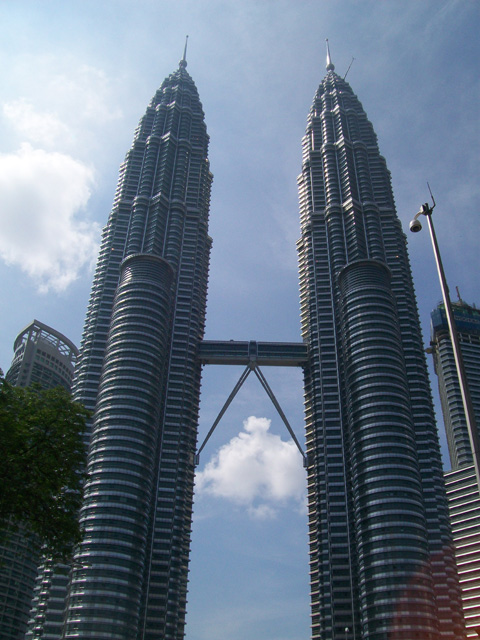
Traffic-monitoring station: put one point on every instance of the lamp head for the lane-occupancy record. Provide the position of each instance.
(415, 225)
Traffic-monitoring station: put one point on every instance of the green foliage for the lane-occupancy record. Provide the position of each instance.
(42, 460)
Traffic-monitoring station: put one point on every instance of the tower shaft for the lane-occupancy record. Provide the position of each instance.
(139, 374)
(380, 548)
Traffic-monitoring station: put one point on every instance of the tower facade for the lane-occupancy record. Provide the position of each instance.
(381, 560)
(138, 372)
(46, 357)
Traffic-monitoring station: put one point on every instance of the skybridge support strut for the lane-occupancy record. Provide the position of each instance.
(234, 392)
(252, 366)
(271, 395)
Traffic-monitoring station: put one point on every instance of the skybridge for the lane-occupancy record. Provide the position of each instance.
(276, 354)
(252, 354)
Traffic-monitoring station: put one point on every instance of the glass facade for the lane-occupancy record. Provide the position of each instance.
(380, 544)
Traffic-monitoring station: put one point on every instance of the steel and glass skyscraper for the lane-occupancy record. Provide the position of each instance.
(380, 547)
(139, 373)
(467, 320)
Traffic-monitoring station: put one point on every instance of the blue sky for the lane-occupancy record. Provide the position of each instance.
(76, 76)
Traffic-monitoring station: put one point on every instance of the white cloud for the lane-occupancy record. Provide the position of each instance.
(256, 469)
(46, 184)
(41, 194)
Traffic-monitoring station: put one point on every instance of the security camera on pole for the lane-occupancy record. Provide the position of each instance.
(416, 226)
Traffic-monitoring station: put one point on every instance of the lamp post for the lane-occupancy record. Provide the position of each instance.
(473, 435)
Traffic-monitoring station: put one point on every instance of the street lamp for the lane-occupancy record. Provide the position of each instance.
(473, 435)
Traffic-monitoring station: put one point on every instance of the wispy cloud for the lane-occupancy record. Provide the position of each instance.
(85, 92)
(41, 194)
(78, 94)
(256, 469)
(39, 127)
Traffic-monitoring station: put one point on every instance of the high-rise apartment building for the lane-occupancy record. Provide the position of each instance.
(380, 545)
(462, 489)
(46, 357)
(138, 371)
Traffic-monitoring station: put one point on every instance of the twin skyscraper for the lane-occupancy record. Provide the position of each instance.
(381, 557)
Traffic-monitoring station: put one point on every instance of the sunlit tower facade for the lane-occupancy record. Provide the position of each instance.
(381, 556)
(138, 372)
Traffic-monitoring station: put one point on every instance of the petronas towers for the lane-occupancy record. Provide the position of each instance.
(382, 566)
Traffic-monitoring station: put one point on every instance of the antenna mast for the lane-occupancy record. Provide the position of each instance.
(349, 67)
(431, 195)
(330, 65)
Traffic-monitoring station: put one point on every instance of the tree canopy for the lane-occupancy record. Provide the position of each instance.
(42, 460)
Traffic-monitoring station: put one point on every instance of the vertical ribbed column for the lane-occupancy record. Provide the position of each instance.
(107, 578)
(395, 586)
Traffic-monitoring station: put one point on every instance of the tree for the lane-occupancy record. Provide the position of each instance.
(42, 461)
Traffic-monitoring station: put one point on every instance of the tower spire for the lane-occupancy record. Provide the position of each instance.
(183, 61)
(330, 65)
